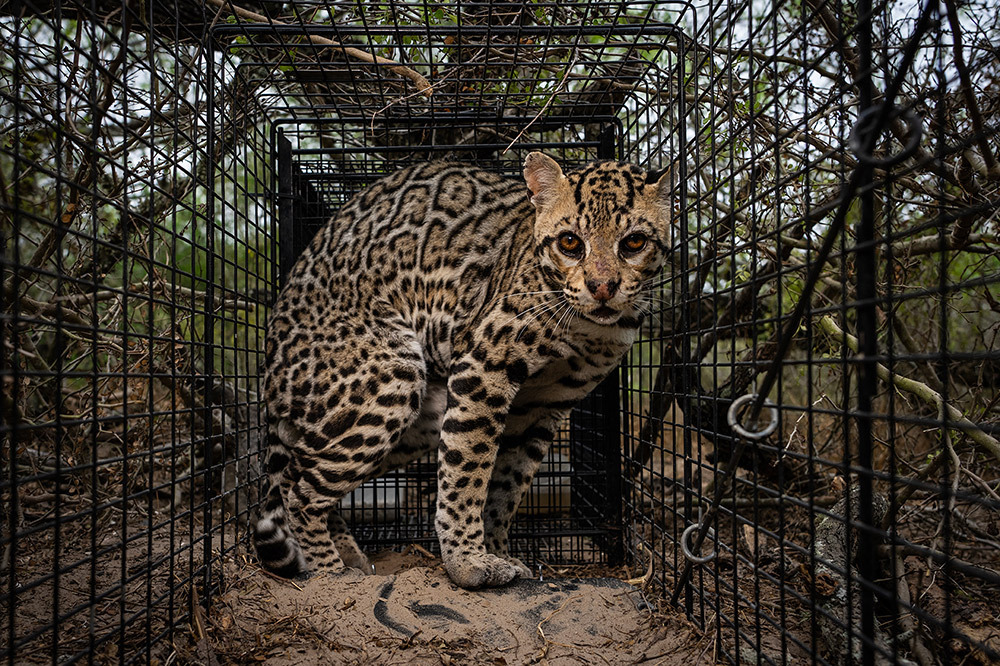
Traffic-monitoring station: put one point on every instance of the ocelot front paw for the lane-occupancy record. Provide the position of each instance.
(480, 570)
(524, 571)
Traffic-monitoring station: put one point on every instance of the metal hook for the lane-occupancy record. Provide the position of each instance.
(686, 549)
(733, 416)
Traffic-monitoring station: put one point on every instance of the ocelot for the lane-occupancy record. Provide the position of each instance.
(448, 308)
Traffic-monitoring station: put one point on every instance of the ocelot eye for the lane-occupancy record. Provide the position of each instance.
(633, 243)
(570, 244)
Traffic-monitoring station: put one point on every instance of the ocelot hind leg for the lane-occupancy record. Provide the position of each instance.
(420, 438)
(347, 441)
(347, 547)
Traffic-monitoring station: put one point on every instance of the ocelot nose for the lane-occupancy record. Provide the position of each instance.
(602, 290)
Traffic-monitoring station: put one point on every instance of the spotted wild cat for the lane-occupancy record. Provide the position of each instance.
(449, 308)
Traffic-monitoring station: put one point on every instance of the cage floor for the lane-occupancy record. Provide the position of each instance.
(410, 613)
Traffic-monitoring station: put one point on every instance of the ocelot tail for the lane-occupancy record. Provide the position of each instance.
(448, 308)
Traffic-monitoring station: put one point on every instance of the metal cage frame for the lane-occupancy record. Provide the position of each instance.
(835, 277)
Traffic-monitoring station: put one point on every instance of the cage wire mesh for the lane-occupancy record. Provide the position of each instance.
(133, 307)
(836, 195)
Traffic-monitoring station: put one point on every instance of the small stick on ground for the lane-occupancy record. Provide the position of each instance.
(279, 578)
(548, 641)
(643, 581)
(418, 548)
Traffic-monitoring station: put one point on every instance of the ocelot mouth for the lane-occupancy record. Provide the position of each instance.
(604, 314)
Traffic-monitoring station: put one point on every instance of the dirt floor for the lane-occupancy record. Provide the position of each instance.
(409, 612)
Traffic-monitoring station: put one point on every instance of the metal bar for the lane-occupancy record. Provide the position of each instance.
(465, 30)
(611, 400)
(286, 208)
(867, 333)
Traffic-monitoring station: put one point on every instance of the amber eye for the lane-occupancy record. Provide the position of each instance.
(570, 244)
(633, 243)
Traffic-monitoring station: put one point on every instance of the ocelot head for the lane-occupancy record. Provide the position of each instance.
(601, 233)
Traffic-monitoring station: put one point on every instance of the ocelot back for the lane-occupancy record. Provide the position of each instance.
(449, 308)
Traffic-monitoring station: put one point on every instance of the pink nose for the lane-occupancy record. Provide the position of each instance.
(602, 290)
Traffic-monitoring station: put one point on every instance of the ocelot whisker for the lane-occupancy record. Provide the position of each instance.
(571, 311)
(538, 313)
(524, 293)
(524, 312)
(666, 303)
(535, 316)
(656, 282)
(557, 312)
(654, 294)
(654, 286)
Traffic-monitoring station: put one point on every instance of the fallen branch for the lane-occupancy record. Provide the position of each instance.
(33, 307)
(932, 555)
(906, 620)
(421, 83)
(922, 391)
(835, 581)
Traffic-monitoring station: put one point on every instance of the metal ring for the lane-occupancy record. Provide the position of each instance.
(734, 414)
(863, 127)
(686, 549)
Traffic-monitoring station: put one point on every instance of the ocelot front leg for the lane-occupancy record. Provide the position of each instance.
(519, 456)
(479, 396)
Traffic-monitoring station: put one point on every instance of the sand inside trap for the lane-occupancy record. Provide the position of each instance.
(411, 613)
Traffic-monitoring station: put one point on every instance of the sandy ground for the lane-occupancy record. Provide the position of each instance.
(410, 613)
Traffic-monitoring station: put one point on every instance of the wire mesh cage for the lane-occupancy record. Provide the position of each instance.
(130, 335)
(163, 164)
(814, 399)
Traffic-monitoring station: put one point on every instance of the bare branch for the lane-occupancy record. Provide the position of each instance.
(921, 390)
(978, 126)
(421, 83)
(31, 306)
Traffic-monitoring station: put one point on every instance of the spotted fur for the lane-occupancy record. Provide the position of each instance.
(448, 308)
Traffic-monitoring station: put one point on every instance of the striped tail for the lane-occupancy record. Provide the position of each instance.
(277, 549)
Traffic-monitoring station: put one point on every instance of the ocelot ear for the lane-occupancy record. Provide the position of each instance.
(664, 194)
(542, 174)
(665, 191)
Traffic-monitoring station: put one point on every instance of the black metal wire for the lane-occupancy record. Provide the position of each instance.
(130, 334)
(865, 137)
